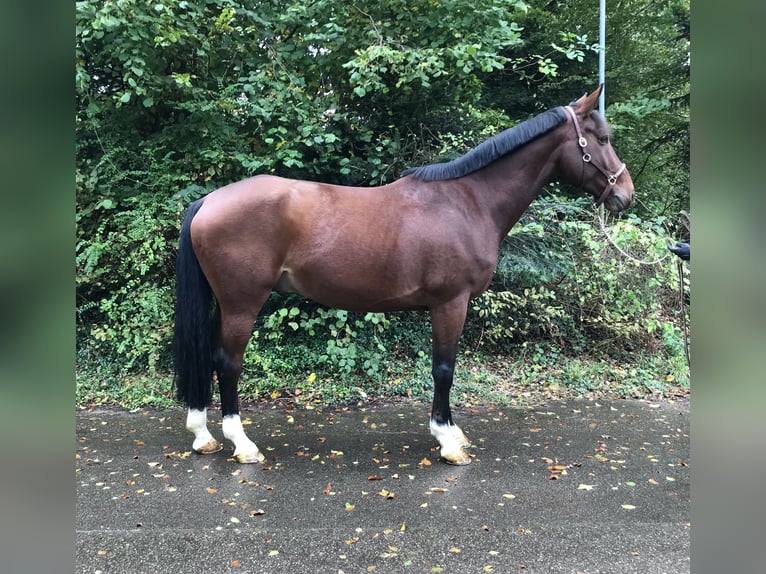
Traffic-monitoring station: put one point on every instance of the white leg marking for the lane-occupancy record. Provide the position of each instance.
(196, 422)
(452, 441)
(245, 450)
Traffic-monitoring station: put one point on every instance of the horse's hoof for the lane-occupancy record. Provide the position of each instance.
(210, 447)
(460, 458)
(250, 457)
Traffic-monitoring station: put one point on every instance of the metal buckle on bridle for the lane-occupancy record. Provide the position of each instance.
(611, 178)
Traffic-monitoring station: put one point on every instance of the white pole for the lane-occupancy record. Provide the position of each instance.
(601, 72)
(602, 54)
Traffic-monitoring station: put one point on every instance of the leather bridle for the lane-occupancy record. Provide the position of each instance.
(611, 178)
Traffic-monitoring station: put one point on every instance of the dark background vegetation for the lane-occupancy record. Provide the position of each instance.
(176, 98)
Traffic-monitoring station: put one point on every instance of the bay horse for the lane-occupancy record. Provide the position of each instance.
(427, 241)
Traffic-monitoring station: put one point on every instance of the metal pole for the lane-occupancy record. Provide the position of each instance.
(602, 54)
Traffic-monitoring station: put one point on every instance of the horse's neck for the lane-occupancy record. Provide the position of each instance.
(508, 186)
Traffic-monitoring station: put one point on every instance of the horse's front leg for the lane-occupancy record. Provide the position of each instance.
(447, 324)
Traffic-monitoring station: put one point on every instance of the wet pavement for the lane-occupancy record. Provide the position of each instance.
(592, 487)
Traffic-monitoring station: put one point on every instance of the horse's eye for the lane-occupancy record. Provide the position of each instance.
(603, 140)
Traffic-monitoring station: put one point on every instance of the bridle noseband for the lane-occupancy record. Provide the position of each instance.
(611, 178)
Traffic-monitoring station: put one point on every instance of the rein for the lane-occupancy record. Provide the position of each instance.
(611, 178)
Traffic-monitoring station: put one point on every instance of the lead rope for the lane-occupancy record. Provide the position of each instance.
(622, 251)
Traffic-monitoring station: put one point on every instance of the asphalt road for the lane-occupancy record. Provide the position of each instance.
(566, 488)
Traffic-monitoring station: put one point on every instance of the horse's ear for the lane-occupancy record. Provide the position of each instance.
(587, 103)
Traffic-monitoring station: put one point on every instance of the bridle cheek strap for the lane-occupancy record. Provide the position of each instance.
(611, 178)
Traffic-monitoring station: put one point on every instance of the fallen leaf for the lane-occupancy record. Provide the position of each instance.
(628, 507)
(425, 462)
(511, 496)
(235, 564)
(273, 552)
(374, 477)
(257, 512)
(586, 487)
(234, 519)
(455, 550)
(386, 494)
(327, 488)
(350, 506)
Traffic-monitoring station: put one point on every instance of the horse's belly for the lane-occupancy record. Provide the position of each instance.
(353, 290)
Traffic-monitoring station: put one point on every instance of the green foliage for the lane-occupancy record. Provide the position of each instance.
(583, 284)
(175, 98)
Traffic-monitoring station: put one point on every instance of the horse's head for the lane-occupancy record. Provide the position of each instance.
(588, 159)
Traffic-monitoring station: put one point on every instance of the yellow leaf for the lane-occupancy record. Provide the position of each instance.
(455, 550)
(234, 519)
(273, 552)
(628, 507)
(312, 378)
(511, 496)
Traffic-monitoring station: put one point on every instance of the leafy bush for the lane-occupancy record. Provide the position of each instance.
(174, 99)
(563, 275)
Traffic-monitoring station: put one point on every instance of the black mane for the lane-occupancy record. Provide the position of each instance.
(491, 150)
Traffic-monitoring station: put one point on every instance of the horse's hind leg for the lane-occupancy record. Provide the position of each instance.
(196, 422)
(196, 418)
(236, 330)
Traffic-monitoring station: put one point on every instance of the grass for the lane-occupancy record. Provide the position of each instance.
(528, 375)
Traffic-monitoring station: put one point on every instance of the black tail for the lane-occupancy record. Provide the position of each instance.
(192, 338)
